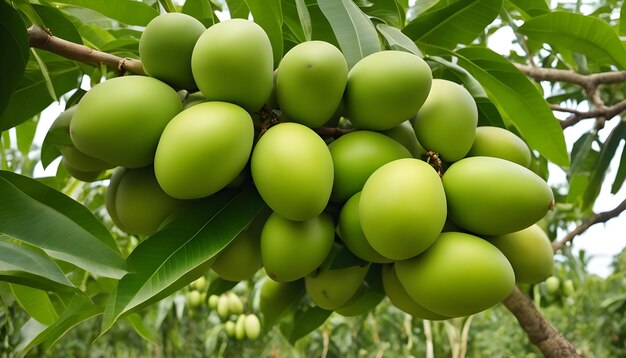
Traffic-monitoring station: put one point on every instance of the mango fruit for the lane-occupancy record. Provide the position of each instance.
(404, 134)
(500, 143)
(276, 297)
(332, 288)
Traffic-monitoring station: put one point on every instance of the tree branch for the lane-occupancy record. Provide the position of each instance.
(539, 330)
(577, 116)
(42, 39)
(595, 219)
(569, 76)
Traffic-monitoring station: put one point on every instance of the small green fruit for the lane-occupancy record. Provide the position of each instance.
(235, 306)
(333, 288)
(240, 327)
(568, 288)
(79, 174)
(223, 307)
(404, 134)
(213, 300)
(500, 143)
(552, 284)
(194, 298)
(198, 284)
(252, 326)
(229, 327)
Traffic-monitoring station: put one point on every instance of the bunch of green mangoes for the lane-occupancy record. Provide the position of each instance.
(406, 182)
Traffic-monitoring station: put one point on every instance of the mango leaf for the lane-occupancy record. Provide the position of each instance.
(530, 7)
(355, 32)
(583, 160)
(201, 10)
(238, 9)
(621, 174)
(622, 20)
(517, 99)
(458, 23)
(296, 21)
(618, 134)
(145, 332)
(25, 135)
(397, 40)
(320, 27)
(305, 320)
(188, 242)
(65, 229)
(14, 54)
(58, 23)
(35, 302)
(22, 265)
(219, 286)
(268, 14)
(392, 12)
(127, 11)
(345, 258)
(582, 34)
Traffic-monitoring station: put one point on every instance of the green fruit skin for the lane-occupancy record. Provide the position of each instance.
(252, 327)
(356, 156)
(213, 300)
(240, 327)
(293, 171)
(203, 149)
(141, 205)
(552, 284)
(351, 233)
(86, 176)
(165, 48)
(223, 307)
(193, 99)
(332, 288)
(229, 327)
(235, 306)
(233, 62)
(500, 143)
(493, 196)
(568, 288)
(276, 297)
(386, 88)
(119, 121)
(401, 299)
(459, 275)
(194, 298)
(362, 302)
(402, 208)
(404, 134)
(310, 82)
(447, 121)
(530, 253)
(293, 249)
(111, 197)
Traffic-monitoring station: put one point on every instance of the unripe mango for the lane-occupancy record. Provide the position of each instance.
(310, 82)
(252, 326)
(119, 121)
(386, 88)
(293, 171)
(351, 233)
(235, 306)
(401, 299)
(203, 149)
(404, 134)
(276, 297)
(165, 48)
(223, 306)
(233, 62)
(356, 156)
(530, 253)
(500, 143)
(447, 121)
(293, 249)
(333, 288)
(459, 275)
(240, 327)
(493, 196)
(363, 301)
(402, 208)
(86, 176)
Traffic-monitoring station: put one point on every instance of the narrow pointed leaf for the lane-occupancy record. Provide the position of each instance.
(398, 40)
(65, 229)
(14, 53)
(145, 332)
(201, 10)
(238, 9)
(268, 14)
(621, 174)
(531, 7)
(219, 286)
(130, 12)
(586, 35)
(35, 302)
(307, 321)
(22, 265)
(392, 12)
(185, 244)
(355, 32)
(458, 23)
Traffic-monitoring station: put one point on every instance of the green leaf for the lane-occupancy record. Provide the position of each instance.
(531, 7)
(586, 35)
(517, 99)
(458, 23)
(238, 9)
(35, 302)
(219, 286)
(268, 14)
(187, 243)
(296, 20)
(14, 54)
(22, 265)
(622, 20)
(145, 332)
(355, 32)
(389, 11)
(201, 10)
(398, 40)
(345, 258)
(596, 179)
(320, 27)
(58, 23)
(64, 229)
(306, 321)
(621, 174)
(583, 160)
(25, 135)
(46, 75)
(127, 11)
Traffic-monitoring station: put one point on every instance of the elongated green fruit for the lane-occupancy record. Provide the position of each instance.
(500, 143)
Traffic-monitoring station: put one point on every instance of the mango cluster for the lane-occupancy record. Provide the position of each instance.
(411, 184)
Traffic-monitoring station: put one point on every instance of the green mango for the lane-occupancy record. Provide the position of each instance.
(310, 82)
(459, 275)
(500, 143)
(86, 176)
(203, 149)
(293, 249)
(530, 253)
(233, 62)
(363, 301)
(404, 134)
(276, 297)
(447, 121)
(120, 121)
(401, 299)
(165, 48)
(386, 88)
(356, 156)
(493, 196)
(293, 171)
(402, 208)
(332, 288)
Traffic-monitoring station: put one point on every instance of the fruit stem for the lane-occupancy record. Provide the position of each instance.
(434, 160)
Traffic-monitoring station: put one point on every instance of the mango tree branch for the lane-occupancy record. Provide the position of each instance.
(42, 39)
(577, 116)
(539, 330)
(569, 76)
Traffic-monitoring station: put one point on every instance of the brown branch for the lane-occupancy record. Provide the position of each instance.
(569, 76)
(595, 219)
(577, 116)
(539, 330)
(42, 39)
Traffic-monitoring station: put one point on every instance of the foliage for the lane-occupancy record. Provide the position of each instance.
(93, 279)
